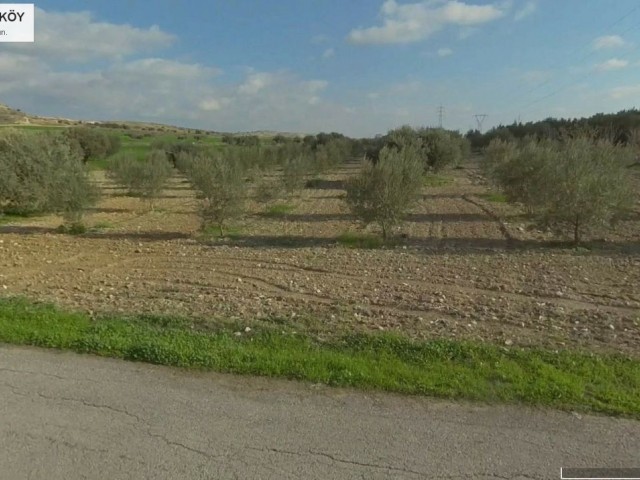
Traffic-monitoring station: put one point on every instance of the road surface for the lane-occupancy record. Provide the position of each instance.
(67, 416)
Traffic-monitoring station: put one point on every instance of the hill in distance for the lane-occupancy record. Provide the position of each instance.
(10, 116)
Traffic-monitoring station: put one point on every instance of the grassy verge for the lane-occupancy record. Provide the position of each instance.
(566, 380)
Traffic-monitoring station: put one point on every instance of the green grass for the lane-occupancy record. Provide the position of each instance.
(433, 180)
(212, 232)
(494, 197)
(360, 240)
(16, 216)
(442, 368)
(279, 210)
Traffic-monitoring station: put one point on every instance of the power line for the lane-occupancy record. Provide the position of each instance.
(570, 84)
(560, 62)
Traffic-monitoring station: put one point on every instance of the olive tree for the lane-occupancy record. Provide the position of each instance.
(222, 188)
(587, 186)
(383, 192)
(573, 183)
(42, 173)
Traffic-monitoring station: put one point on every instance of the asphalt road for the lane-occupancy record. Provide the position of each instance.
(66, 416)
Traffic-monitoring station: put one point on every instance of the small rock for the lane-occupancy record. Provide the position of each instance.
(611, 327)
(508, 342)
(237, 334)
(247, 329)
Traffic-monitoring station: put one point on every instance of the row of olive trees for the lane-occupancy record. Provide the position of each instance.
(144, 178)
(43, 173)
(437, 148)
(572, 183)
(92, 143)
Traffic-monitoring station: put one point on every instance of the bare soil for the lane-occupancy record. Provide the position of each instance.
(466, 268)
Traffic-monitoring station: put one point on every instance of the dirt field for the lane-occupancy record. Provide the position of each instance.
(470, 268)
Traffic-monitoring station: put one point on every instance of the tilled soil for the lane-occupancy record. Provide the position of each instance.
(465, 268)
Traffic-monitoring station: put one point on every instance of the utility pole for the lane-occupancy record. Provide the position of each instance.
(480, 117)
(440, 115)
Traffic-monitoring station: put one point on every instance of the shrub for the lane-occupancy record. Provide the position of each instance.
(384, 191)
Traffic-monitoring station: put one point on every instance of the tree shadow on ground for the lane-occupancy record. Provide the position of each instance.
(447, 217)
(412, 217)
(275, 241)
(107, 235)
(138, 236)
(309, 217)
(321, 184)
(423, 246)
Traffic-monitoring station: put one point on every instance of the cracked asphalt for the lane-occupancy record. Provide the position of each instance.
(67, 416)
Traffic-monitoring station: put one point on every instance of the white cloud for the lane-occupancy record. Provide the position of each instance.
(413, 22)
(444, 52)
(256, 82)
(316, 86)
(77, 37)
(612, 64)
(625, 92)
(608, 41)
(528, 9)
(328, 53)
(213, 104)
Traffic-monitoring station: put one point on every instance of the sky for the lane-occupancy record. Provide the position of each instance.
(358, 67)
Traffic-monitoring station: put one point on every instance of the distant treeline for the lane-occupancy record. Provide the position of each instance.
(621, 128)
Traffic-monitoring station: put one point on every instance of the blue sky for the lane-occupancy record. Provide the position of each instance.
(359, 67)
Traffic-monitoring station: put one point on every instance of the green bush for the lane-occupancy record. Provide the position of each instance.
(384, 191)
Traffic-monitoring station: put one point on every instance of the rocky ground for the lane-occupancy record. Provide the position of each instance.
(468, 268)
